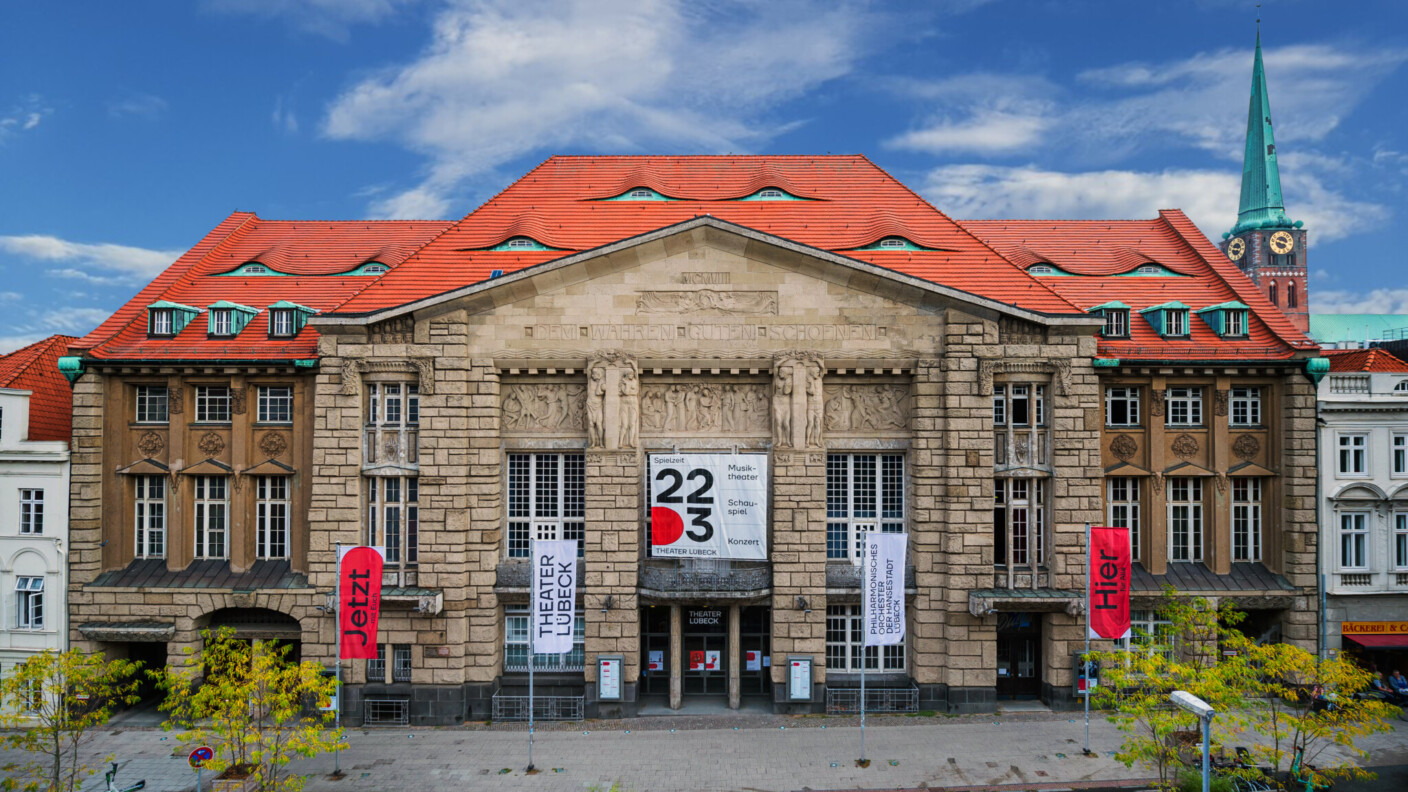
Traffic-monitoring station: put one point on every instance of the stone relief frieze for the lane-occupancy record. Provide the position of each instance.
(354, 368)
(237, 396)
(556, 407)
(1219, 402)
(867, 407)
(175, 401)
(733, 408)
(397, 330)
(1156, 402)
(707, 301)
(1059, 370)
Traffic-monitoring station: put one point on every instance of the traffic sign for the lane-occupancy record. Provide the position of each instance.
(200, 756)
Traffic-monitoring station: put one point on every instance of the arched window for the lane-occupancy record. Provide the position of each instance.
(1271, 293)
(643, 194)
(893, 242)
(1291, 299)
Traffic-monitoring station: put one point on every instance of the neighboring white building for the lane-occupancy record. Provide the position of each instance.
(35, 402)
(1364, 505)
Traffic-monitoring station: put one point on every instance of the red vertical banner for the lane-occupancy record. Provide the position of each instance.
(359, 602)
(1109, 583)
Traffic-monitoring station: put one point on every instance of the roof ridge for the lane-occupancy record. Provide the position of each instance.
(26, 356)
(450, 226)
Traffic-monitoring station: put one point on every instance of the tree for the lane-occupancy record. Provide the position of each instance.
(256, 709)
(55, 700)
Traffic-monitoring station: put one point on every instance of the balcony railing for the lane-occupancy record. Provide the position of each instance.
(391, 446)
(845, 575)
(722, 578)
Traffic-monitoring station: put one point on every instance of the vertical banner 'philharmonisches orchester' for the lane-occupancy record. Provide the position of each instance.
(709, 506)
(359, 601)
(1109, 583)
(554, 595)
(883, 577)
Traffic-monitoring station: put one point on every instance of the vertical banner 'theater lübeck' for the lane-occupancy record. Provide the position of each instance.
(1109, 583)
(554, 595)
(359, 601)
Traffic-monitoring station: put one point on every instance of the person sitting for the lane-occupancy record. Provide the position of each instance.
(1380, 687)
(1399, 683)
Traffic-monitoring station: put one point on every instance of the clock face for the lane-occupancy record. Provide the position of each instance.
(1282, 242)
(1236, 249)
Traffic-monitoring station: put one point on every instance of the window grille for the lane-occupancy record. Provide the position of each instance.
(152, 404)
(546, 500)
(386, 712)
(31, 511)
(864, 492)
(151, 517)
(271, 517)
(212, 404)
(1122, 406)
(401, 663)
(1246, 519)
(275, 404)
(376, 667)
(211, 512)
(1185, 519)
(845, 639)
(1122, 501)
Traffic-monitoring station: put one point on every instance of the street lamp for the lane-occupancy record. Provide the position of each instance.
(1187, 701)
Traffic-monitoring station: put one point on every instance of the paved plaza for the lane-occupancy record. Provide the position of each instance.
(762, 754)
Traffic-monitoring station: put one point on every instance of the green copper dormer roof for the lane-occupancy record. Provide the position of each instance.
(1113, 305)
(1262, 205)
(1227, 306)
(1168, 306)
(293, 305)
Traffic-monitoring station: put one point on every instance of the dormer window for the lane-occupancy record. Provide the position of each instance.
(1116, 319)
(255, 269)
(1176, 322)
(521, 243)
(166, 319)
(286, 319)
(221, 322)
(228, 319)
(894, 243)
(374, 269)
(1149, 269)
(1170, 320)
(772, 194)
(1228, 320)
(161, 322)
(1236, 323)
(1041, 269)
(642, 195)
(1401, 388)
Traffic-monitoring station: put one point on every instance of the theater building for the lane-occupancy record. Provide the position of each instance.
(455, 391)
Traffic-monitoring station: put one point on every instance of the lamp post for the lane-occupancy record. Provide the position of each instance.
(1187, 701)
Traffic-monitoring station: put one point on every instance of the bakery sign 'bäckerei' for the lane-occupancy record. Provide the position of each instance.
(709, 506)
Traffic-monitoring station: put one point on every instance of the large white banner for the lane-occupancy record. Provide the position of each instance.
(554, 595)
(883, 574)
(709, 506)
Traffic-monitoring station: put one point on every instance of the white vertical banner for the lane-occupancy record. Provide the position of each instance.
(883, 578)
(554, 595)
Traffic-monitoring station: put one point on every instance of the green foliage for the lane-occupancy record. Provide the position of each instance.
(254, 707)
(55, 700)
(1261, 692)
(1192, 781)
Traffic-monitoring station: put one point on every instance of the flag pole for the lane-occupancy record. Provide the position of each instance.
(865, 627)
(1086, 657)
(531, 630)
(337, 663)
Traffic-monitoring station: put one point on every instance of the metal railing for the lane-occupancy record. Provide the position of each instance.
(846, 700)
(669, 575)
(515, 708)
(846, 575)
(386, 712)
(391, 445)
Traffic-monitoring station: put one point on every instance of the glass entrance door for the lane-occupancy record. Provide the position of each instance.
(755, 675)
(705, 651)
(1018, 655)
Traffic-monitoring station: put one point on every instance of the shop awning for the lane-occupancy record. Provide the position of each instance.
(1380, 641)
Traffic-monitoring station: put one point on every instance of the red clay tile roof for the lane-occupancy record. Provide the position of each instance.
(36, 368)
(1101, 250)
(312, 253)
(1364, 360)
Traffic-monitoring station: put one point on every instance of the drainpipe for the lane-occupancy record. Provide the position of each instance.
(1315, 370)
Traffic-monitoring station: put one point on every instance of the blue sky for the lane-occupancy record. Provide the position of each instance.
(128, 130)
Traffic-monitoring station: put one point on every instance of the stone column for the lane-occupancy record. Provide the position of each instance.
(734, 615)
(1217, 540)
(676, 650)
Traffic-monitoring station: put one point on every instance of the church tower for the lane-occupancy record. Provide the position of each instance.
(1264, 243)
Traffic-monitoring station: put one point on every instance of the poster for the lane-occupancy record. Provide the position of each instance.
(359, 601)
(711, 660)
(883, 578)
(657, 660)
(709, 506)
(609, 678)
(696, 660)
(1108, 609)
(799, 679)
(554, 595)
(751, 660)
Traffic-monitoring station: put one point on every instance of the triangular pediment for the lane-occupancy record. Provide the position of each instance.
(207, 467)
(269, 467)
(1126, 469)
(1250, 469)
(1187, 469)
(144, 467)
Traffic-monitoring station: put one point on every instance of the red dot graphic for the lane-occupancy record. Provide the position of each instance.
(666, 527)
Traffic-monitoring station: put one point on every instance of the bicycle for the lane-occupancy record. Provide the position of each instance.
(111, 776)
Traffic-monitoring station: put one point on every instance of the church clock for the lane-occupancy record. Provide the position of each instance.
(1237, 248)
(1282, 242)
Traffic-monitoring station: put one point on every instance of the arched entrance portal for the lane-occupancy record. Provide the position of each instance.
(260, 624)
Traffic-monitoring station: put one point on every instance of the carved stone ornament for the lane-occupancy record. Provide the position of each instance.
(1219, 402)
(782, 384)
(273, 444)
(707, 301)
(985, 371)
(623, 397)
(175, 402)
(150, 444)
(688, 407)
(1124, 447)
(816, 407)
(354, 368)
(596, 405)
(1185, 446)
(1062, 384)
(237, 394)
(396, 330)
(629, 412)
(864, 408)
(351, 376)
(554, 408)
(1246, 447)
(1220, 481)
(425, 371)
(1156, 402)
(211, 444)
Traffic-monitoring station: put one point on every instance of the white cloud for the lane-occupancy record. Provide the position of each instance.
(283, 117)
(982, 113)
(1378, 301)
(69, 320)
(9, 296)
(24, 116)
(10, 343)
(504, 78)
(331, 18)
(1208, 197)
(141, 105)
(100, 263)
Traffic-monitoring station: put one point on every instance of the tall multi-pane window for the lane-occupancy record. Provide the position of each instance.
(393, 404)
(516, 624)
(1400, 540)
(1400, 454)
(1122, 502)
(271, 517)
(212, 404)
(212, 512)
(151, 517)
(1354, 540)
(29, 603)
(1353, 450)
(275, 404)
(401, 663)
(1185, 406)
(845, 644)
(1246, 407)
(1292, 298)
(1122, 406)
(1150, 631)
(152, 404)
(376, 666)
(1246, 519)
(1019, 405)
(546, 500)
(864, 492)
(31, 511)
(1185, 519)
(1019, 514)
(393, 517)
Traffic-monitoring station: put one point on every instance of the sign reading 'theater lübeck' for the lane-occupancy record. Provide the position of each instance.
(709, 506)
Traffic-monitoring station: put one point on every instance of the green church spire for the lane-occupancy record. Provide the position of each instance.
(1261, 205)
